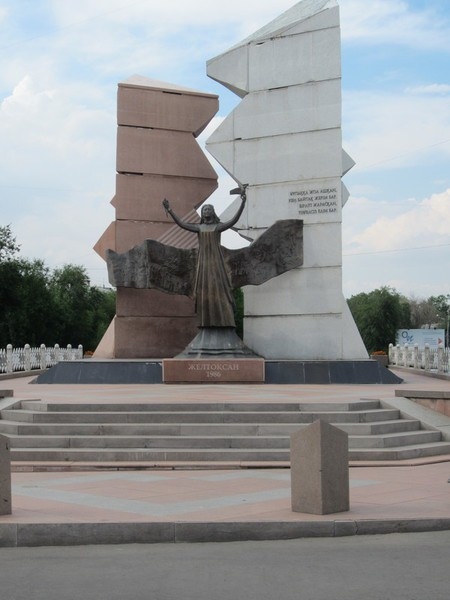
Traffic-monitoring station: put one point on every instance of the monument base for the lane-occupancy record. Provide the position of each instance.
(221, 342)
(213, 370)
(118, 371)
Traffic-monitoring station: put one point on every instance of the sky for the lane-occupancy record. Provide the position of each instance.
(61, 61)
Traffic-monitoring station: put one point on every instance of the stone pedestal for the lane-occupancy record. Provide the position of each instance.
(214, 370)
(5, 477)
(319, 470)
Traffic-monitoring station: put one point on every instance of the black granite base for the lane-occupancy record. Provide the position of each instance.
(328, 372)
(103, 371)
(276, 372)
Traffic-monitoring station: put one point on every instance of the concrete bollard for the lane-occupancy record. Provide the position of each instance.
(319, 470)
(5, 477)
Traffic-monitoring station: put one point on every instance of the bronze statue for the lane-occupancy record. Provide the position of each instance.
(211, 272)
(213, 292)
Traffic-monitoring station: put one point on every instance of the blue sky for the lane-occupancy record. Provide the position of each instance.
(61, 61)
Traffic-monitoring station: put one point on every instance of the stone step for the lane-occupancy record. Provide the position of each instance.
(161, 455)
(36, 405)
(129, 429)
(379, 427)
(149, 455)
(391, 440)
(208, 441)
(204, 432)
(365, 416)
(403, 453)
(158, 441)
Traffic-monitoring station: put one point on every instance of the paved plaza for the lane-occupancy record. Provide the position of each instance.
(67, 506)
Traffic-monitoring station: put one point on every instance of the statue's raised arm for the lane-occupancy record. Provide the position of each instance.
(228, 224)
(183, 224)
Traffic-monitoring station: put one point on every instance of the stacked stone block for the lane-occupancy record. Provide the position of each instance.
(284, 140)
(157, 157)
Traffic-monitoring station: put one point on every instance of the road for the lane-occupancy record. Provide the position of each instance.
(386, 567)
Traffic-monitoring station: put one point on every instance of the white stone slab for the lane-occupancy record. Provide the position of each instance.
(345, 195)
(299, 292)
(301, 12)
(323, 20)
(347, 162)
(224, 153)
(231, 69)
(289, 110)
(300, 157)
(316, 201)
(308, 337)
(323, 243)
(280, 62)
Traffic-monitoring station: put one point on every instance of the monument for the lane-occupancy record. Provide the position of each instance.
(209, 275)
(284, 139)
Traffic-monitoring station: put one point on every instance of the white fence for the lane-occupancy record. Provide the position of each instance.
(434, 360)
(27, 358)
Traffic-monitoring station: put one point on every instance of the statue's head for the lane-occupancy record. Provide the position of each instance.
(208, 214)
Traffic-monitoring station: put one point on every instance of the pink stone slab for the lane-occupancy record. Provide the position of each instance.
(106, 241)
(132, 233)
(161, 152)
(164, 109)
(152, 337)
(139, 197)
(145, 303)
(214, 370)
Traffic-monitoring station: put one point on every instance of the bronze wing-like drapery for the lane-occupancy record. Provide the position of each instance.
(173, 270)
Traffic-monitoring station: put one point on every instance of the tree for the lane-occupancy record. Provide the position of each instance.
(441, 304)
(423, 312)
(378, 315)
(8, 245)
(41, 307)
(26, 302)
(82, 312)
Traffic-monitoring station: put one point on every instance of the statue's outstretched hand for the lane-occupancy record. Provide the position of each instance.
(166, 205)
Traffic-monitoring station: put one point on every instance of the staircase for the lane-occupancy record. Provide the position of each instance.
(213, 434)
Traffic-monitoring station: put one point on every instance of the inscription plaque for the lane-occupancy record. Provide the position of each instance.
(185, 370)
(318, 201)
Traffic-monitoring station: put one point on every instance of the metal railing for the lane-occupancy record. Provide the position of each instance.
(28, 358)
(434, 360)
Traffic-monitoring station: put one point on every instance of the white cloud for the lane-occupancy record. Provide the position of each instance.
(387, 129)
(432, 89)
(394, 22)
(426, 223)
(47, 137)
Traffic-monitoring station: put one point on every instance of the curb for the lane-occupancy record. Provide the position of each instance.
(80, 534)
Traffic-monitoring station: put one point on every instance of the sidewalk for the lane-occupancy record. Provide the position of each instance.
(139, 505)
